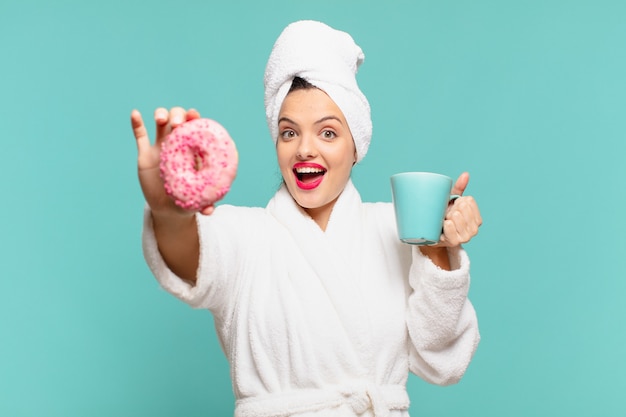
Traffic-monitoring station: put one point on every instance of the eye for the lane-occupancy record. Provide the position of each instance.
(328, 134)
(287, 134)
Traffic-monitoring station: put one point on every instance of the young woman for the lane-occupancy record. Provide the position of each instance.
(320, 309)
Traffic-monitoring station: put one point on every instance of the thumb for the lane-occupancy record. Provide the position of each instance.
(461, 184)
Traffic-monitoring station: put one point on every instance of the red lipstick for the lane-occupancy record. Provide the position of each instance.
(308, 175)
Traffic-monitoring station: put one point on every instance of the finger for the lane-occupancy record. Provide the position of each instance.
(461, 184)
(207, 211)
(192, 114)
(161, 117)
(140, 132)
(473, 213)
(457, 231)
(464, 209)
(450, 236)
(166, 121)
(178, 116)
(479, 217)
(462, 222)
(461, 225)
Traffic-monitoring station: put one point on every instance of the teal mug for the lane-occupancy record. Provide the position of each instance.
(420, 200)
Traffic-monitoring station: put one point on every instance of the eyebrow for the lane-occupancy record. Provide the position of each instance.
(286, 119)
(323, 119)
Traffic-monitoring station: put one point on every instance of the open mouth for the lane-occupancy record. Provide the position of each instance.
(308, 177)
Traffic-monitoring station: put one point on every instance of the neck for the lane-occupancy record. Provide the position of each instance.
(321, 215)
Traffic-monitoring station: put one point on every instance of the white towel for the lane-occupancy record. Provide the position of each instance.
(328, 59)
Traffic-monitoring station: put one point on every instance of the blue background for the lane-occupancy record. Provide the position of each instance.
(529, 97)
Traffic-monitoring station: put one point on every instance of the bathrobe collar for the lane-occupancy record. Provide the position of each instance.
(330, 253)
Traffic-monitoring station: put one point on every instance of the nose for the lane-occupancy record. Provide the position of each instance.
(306, 148)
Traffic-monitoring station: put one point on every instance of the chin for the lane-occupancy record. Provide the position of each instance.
(306, 203)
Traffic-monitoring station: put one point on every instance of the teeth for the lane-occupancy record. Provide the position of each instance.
(309, 170)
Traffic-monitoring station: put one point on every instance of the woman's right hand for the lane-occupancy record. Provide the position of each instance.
(149, 158)
(175, 228)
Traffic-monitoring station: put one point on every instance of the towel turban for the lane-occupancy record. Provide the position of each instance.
(328, 59)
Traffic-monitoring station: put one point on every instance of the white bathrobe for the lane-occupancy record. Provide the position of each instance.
(329, 323)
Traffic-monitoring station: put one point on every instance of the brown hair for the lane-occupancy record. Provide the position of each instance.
(300, 84)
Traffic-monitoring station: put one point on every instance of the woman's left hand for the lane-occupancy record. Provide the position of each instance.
(462, 217)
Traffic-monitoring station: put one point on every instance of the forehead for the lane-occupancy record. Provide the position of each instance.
(309, 102)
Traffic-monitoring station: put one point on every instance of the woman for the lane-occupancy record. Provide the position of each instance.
(320, 309)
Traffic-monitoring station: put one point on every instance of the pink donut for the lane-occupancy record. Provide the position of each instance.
(198, 163)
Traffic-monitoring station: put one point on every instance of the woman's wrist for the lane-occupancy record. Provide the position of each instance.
(438, 255)
(172, 220)
(178, 242)
(173, 214)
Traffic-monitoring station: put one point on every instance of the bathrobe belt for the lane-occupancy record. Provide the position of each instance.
(359, 396)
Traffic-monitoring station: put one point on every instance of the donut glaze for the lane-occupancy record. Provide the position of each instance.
(198, 163)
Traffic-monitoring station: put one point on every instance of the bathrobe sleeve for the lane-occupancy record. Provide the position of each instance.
(224, 238)
(441, 321)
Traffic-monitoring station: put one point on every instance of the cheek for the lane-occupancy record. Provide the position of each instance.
(283, 157)
(351, 150)
(350, 155)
